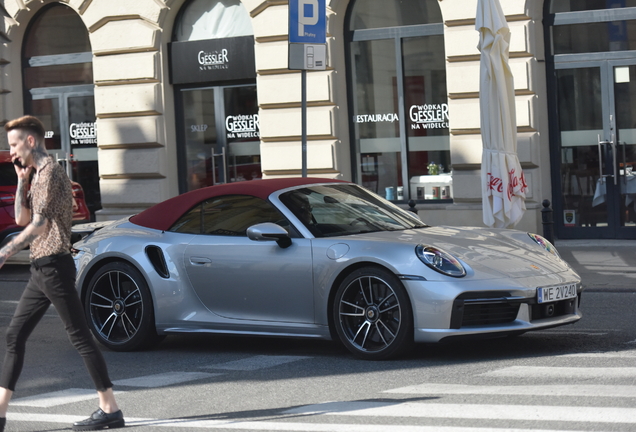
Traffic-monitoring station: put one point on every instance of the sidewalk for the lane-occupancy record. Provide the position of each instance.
(604, 265)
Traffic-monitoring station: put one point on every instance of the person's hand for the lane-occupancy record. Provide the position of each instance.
(22, 172)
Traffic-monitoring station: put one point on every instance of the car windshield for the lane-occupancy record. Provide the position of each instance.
(345, 209)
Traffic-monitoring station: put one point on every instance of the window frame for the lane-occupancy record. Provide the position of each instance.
(397, 34)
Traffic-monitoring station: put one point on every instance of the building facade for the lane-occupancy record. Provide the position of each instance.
(148, 99)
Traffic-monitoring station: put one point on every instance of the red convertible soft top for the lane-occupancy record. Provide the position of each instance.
(163, 215)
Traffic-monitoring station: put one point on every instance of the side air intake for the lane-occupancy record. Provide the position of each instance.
(155, 255)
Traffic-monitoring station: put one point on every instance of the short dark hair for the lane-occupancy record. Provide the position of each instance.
(27, 123)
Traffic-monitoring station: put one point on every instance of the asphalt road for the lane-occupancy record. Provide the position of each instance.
(576, 378)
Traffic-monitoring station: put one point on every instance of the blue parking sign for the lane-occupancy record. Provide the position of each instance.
(307, 21)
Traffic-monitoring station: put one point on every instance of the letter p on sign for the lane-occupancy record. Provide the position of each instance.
(307, 21)
(307, 15)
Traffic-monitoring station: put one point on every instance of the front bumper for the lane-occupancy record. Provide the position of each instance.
(497, 308)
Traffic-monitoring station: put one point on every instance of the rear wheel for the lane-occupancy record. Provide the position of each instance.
(372, 314)
(119, 309)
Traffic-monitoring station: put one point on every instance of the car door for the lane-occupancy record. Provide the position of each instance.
(239, 278)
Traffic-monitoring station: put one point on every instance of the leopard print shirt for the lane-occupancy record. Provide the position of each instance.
(52, 197)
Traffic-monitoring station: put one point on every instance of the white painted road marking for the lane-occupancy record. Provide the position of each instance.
(620, 391)
(164, 379)
(266, 426)
(472, 411)
(562, 372)
(48, 400)
(606, 354)
(256, 363)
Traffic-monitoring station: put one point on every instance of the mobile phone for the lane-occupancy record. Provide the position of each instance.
(17, 163)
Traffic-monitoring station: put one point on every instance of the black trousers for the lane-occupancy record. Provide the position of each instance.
(52, 281)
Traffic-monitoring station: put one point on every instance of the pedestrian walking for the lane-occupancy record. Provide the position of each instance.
(44, 206)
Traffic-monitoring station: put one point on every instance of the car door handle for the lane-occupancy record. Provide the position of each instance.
(199, 260)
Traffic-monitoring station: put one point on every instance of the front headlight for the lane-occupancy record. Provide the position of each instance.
(545, 244)
(440, 261)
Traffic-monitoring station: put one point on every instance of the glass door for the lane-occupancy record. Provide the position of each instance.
(68, 114)
(624, 78)
(597, 142)
(220, 138)
(242, 133)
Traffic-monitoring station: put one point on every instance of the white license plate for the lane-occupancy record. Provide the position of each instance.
(556, 293)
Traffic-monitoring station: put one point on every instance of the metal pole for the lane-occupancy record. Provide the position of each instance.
(546, 219)
(303, 114)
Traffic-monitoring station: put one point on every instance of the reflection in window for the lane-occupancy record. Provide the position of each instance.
(426, 109)
(368, 14)
(57, 30)
(242, 132)
(57, 50)
(229, 215)
(580, 124)
(376, 120)
(205, 19)
(58, 75)
(221, 121)
(200, 136)
(594, 37)
(378, 91)
(47, 110)
(557, 6)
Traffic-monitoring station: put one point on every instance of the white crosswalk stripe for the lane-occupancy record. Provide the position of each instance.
(62, 397)
(443, 403)
(610, 354)
(473, 411)
(561, 372)
(618, 391)
(268, 425)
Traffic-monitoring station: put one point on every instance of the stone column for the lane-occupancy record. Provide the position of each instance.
(136, 163)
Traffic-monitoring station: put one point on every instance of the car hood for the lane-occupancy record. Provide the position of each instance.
(495, 252)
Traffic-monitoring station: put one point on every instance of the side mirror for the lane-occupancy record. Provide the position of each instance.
(269, 232)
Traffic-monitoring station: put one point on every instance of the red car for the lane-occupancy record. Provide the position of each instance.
(8, 184)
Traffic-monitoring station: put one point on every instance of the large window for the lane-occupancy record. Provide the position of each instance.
(591, 70)
(58, 82)
(213, 70)
(399, 101)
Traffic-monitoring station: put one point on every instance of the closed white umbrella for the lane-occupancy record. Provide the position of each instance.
(503, 183)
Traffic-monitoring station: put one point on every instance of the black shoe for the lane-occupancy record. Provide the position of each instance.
(100, 420)
(3, 422)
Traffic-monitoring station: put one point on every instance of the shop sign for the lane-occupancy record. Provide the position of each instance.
(198, 128)
(429, 116)
(83, 133)
(376, 118)
(212, 60)
(243, 126)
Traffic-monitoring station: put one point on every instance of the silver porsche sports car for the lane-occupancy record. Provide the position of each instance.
(314, 258)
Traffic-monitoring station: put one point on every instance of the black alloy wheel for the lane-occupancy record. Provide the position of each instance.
(372, 314)
(119, 308)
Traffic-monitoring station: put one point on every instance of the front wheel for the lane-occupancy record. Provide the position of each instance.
(119, 309)
(372, 314)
